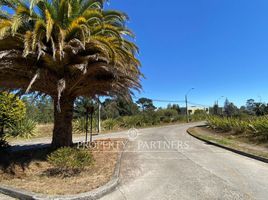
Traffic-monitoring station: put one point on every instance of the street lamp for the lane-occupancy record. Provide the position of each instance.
(186, 103)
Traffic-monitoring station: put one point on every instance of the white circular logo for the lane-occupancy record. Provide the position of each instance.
(132, 134)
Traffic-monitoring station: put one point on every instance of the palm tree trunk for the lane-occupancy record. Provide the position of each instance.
(62, 132)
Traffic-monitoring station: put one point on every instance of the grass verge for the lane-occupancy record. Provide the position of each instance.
(231, 141)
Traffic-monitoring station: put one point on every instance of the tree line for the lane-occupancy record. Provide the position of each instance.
(251, 108)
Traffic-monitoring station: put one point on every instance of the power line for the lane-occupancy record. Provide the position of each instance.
(168, 101)
(197, 104)
(175, 101)
(161, 100)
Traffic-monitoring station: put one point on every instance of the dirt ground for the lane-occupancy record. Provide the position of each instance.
(27, 170)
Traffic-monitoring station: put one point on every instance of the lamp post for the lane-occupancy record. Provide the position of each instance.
(99, 115)
(186, 103)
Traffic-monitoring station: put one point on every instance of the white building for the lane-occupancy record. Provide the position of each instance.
(192, 109)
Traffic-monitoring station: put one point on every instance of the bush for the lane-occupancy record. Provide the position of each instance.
(109, 124)
(24, 128)
(12, 109)
(199, 116)
(79, 125)
(219, 123)
(151, 118)
(69, 161)
(257, 126)
(131, 121)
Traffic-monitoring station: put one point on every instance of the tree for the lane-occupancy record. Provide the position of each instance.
(215, 109)
(39, 109)
(113, 108)
(250, 106)
(66, 49)
(229, 108)
(126, 108)
(146, 104)
(259, 109)
(109, 109)
(174, 107)
(12, 110)
(81, 105)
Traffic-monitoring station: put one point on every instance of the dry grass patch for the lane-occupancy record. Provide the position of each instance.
(27, 170)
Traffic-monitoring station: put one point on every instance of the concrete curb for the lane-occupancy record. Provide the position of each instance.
(92, 195)
(265, 160)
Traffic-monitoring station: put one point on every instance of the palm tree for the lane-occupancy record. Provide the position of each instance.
(66, 49)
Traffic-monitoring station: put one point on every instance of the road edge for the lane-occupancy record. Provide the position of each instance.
(265, 160)
(91, 195)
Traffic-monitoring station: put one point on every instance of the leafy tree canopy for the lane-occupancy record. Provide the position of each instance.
(146, 104)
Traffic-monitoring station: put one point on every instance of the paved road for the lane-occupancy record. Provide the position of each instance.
(4, 197)
(167, 163)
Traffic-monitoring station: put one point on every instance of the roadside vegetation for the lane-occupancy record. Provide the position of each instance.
(115, 114)
(255, 127)
(244, 129)
(250, 121)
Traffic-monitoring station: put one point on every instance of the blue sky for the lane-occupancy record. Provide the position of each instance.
(219, 47)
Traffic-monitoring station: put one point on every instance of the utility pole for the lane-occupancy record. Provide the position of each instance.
(186, 111)
(99, 116)
(91, 120)
(87, 112)
(186, 103)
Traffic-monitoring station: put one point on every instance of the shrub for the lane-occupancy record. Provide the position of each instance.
(12, 110)
(198, 116)
(219, 123)
(79, 125)
(260, 127)
(239, 126)
(109, 124)
(24, 128)
(170, 113)
(68, 161)
(132, 121)
(166, 119)
(257, 126)
(151, 118)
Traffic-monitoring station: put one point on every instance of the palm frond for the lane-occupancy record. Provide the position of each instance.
(49, 24)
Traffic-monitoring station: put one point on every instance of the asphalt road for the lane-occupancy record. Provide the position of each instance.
(166, 163)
